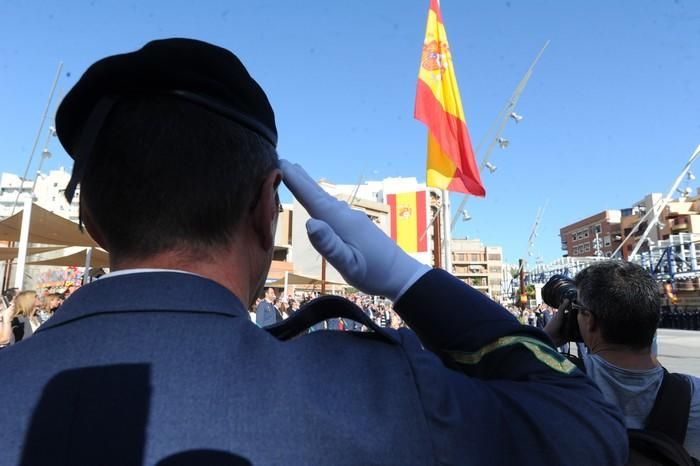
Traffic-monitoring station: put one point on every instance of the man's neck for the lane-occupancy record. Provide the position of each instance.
(215, 268)
(626, 357)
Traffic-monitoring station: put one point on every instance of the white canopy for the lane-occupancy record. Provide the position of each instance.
(45, 228)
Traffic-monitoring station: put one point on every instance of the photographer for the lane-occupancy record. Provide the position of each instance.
(617, 312)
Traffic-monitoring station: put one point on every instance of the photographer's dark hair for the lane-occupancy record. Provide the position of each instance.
(167, 174)
(624, 299)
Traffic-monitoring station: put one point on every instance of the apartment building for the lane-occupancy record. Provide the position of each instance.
(479, 266)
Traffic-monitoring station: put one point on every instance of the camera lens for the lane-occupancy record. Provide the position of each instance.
(557, 289)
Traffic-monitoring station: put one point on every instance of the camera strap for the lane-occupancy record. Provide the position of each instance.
(671, 407)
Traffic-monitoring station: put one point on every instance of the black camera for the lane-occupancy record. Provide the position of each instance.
(560, 292)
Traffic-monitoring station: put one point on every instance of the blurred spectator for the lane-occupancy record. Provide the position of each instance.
(26, 304)
(266, 313)
(52, 302)
(283, 309)
(7, 314)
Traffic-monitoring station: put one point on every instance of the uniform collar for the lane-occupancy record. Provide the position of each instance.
(170, 291)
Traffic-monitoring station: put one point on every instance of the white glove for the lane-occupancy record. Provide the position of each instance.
(366, 257)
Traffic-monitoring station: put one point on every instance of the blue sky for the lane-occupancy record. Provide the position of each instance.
(612, 111)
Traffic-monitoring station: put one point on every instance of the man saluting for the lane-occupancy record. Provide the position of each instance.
(158, 362)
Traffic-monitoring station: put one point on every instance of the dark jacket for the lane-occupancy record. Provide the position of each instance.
(140, 368)
(266, 314)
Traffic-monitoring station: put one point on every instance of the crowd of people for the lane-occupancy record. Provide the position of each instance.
(24, 311)
(678, 317)
(271, 309)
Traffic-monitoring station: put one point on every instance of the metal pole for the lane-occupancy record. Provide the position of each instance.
(38, 135)
(447, 240)
(437, 244)
(521, 275)
(86, 271)
(286, 283)
(8, 264)
(23, 242)
(634, 229)
(503, 118)
(666, 200)
(681, 250)
(323, 275)
(693, 256)
(671, 261)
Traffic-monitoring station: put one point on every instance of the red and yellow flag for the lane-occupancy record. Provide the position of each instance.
(451, 163)
(408, 220)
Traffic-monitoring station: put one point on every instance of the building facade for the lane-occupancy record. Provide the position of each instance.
(479, 266)
(47, 191)
(307, 261)
(636, 217)
(597, 235)
(476, 264)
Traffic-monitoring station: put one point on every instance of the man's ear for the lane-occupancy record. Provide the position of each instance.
(266, 210)
(91, 227)
(590, 322)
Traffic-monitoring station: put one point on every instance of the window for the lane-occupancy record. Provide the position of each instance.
(585, 234)
(587, 247)
(494, 257)
(597, 229)
(607, 241)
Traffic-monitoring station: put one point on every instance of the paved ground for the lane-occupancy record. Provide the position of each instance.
(679, 350)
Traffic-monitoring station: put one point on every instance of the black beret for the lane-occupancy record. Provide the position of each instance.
(193, 70)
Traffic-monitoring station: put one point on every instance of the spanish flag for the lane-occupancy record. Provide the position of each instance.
(451, 163)
(408, 220)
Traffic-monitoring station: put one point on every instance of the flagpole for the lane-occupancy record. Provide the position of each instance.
(447, 240)
(437, 241)
(503, 118)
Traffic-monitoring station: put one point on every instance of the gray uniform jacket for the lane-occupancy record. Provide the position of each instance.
(165, 368)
